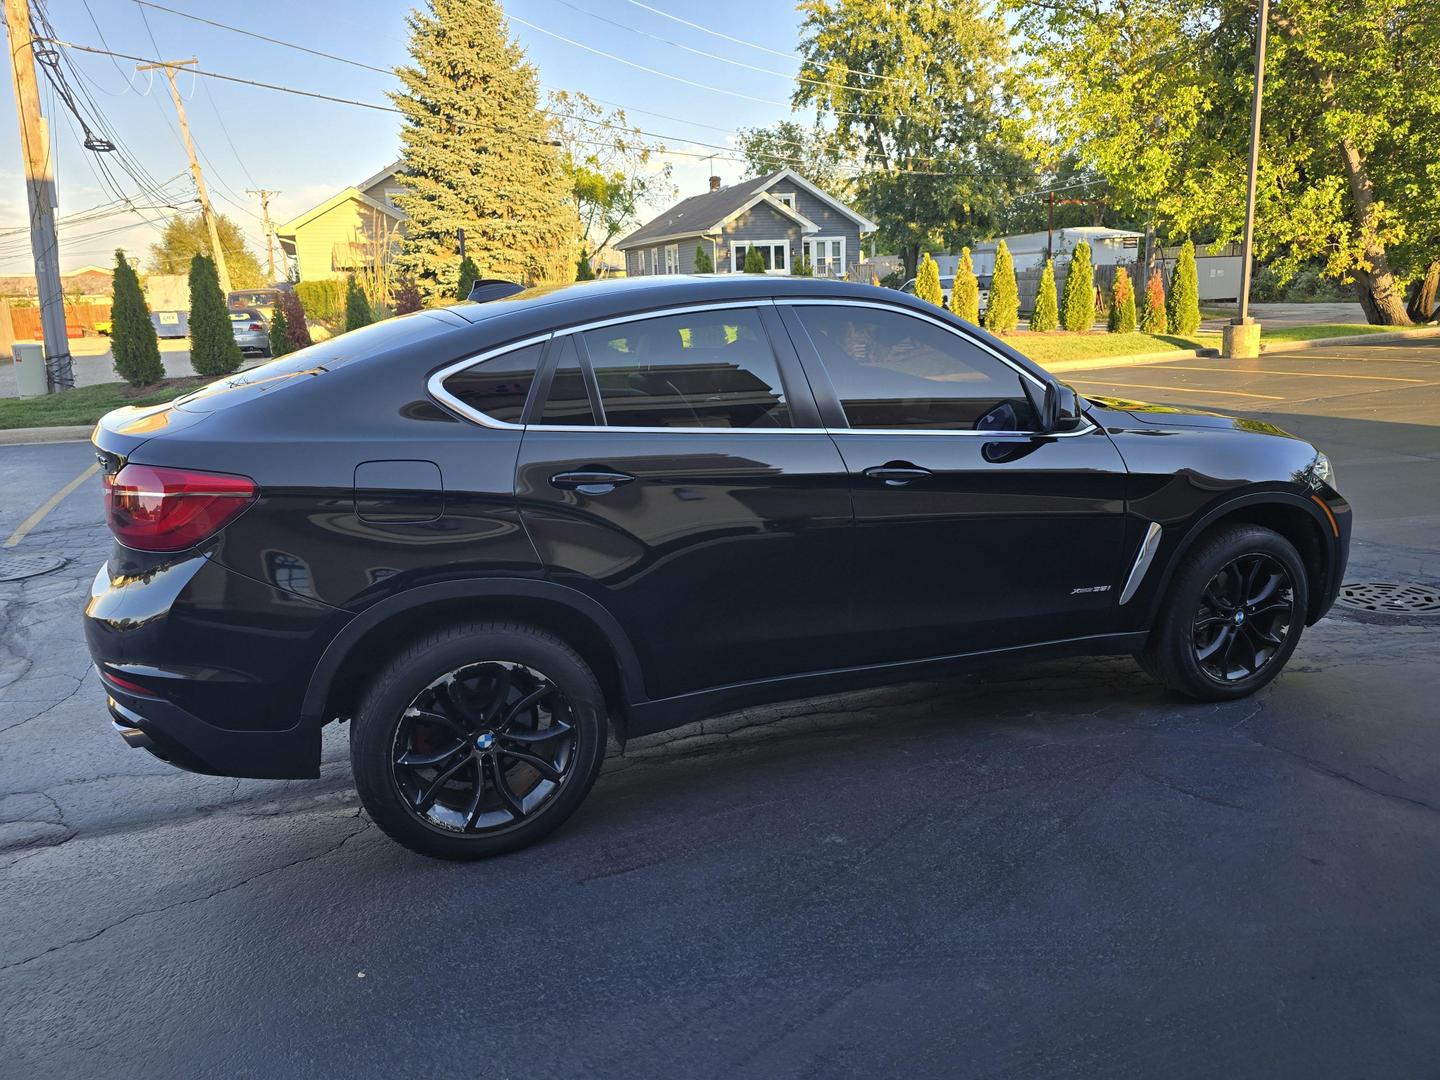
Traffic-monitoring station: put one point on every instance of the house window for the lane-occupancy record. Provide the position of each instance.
(672, 259)
(775, 253)
(827, 255)
(786, 197)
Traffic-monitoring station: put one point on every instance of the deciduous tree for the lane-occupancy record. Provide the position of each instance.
(132, 334)
(183, 237)
(297, 329)
(812, 151)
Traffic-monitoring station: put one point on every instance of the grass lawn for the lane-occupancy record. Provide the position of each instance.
(87, 404)
(1320, 330)
(1098, 343)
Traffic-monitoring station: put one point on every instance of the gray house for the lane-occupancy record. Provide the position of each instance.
(783, 215)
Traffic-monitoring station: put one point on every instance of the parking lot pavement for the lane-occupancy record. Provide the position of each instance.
(1056, 870)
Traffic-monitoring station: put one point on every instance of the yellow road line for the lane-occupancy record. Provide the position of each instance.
(1298, 374)
(1180, 389)
(48, 505)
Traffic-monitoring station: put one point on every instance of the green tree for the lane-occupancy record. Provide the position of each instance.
(1122, 304)
(357, 305)
(1182, 306)
(927, 281)
(1046, 316)
(279, 340)
(132, 334)
(407, 297)
(943, 133)
(477, 155)
(965, 290)
(583, 270)
(703, 264)
(1156, 97)
(1078, 307)
(754, 261)
(183, 237)
(464, 278)
(213, 351)
(812, 151)
(1002, 313)
(1152, 306)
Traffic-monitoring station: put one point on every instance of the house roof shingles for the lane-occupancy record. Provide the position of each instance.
(697, 213)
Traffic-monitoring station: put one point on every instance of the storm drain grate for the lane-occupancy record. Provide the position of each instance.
(18, 567)
(1389, 598)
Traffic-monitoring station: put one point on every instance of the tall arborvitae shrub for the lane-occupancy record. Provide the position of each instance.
(583, 270)
(1046, 315)
(1002, 314)
(1077, 313)
(213, 350)
(703, 263)
(1152, 306)
(357, 306)
(1122, 304)
(297, 329)
(1182, 307)
(754, 261)
(279, 341)
(965, 290)
(466, 281)
(927, 281)
(132, 334)
(407, 297)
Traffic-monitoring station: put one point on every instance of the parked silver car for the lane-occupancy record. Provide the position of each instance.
(251, 332)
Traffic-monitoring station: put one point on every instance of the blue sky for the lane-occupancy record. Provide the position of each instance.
(309, 149)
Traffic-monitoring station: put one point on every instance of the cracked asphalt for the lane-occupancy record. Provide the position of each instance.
(1053, 870)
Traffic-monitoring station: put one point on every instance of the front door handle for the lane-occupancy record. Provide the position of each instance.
(897, 473)
(590, 482)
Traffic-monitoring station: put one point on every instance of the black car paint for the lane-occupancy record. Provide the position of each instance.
(739, 567)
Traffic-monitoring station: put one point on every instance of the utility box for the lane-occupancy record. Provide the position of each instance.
(30, 380)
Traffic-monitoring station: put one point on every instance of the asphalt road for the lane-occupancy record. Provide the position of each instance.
(1060, 870)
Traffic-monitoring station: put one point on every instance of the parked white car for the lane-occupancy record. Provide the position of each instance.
(947, 282)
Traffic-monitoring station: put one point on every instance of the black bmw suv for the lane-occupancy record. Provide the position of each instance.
(492, 535)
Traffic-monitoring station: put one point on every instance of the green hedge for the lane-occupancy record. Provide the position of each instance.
(323, 300)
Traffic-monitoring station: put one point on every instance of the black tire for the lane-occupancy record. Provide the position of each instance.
(1208, 606)
(443, 689)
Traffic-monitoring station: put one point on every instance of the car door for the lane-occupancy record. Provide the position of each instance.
(673, 468)
(972, 533)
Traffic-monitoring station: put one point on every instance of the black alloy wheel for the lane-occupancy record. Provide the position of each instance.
(483, 747)
(1246, 612)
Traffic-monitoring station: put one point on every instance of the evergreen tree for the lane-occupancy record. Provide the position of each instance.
(1122, 304)
(583, 270)
(1078, 310)
(465, 277)
(754, 261)
(357, 306)
(1182, 307)
(1046, 316)
(1002, 314)
(279, 341)
(965, 290)
(477, 155)
(213, 350)
(132, 334)
(297, 329)
(703, 264)
(1152, 306)
(927, 281)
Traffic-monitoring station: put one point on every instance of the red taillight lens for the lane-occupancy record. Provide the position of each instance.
(257, 326)
(157, 509)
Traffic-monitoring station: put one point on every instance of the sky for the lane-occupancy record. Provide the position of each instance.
(251, 138)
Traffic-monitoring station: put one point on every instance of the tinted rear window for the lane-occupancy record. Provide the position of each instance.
(499, 386)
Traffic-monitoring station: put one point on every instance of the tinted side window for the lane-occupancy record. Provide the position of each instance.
(703, 369)
(499, 386)
(567, 401)
(895, 371)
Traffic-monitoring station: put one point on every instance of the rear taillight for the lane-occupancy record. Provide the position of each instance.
(257, 326)
(151, 508)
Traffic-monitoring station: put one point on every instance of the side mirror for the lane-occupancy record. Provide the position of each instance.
(1068, 416)
(1057, 406)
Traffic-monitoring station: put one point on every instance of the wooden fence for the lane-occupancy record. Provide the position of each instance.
(80, 319)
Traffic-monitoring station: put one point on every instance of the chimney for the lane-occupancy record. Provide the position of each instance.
(714, 183)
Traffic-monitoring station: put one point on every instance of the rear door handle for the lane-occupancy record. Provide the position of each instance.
(897, 473)
(588, 482)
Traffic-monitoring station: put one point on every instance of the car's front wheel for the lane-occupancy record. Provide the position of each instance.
(478, 739)
(1233, 615)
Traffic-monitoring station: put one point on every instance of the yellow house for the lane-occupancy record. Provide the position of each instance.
(355, 231)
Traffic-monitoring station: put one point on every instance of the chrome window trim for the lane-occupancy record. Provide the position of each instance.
(1143, 559)
(436, 388)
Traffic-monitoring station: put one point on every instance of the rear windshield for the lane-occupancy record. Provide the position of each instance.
(263, 298)
(244, 315)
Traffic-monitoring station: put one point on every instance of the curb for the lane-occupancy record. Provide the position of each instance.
(27, 435)
(1092, 363)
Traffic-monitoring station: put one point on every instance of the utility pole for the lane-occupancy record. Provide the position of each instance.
(264, 196)
(40, 193)
(216, 250)
(1242, 336)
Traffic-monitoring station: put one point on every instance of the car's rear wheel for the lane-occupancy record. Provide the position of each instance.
(1233, 616)
(478, 739)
